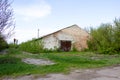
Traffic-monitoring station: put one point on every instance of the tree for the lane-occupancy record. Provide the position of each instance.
(117, 34)
(106, 38)
(6, 21)
(6, 18)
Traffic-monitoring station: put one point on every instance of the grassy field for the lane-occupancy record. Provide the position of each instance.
(10, 64)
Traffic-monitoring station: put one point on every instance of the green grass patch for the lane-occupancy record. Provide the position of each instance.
(11, 64)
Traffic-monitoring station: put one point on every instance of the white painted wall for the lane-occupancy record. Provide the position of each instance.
(64, 36)
(50, 42)
(53, 41)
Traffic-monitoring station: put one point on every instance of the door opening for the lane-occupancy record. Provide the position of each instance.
(65, 45)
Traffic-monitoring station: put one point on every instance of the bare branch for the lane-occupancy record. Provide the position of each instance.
(6, 17)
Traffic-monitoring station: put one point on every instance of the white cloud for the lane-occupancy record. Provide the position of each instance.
(27, 15)
(37, 9)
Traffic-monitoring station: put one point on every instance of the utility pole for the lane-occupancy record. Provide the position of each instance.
(38, 33)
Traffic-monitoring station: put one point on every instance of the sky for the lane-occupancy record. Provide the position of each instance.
(52, 15)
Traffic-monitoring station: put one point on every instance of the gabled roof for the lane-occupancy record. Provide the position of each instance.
(59, 31)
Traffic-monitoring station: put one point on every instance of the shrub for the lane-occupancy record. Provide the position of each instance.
(106, 38)
(12, 45)
(3, 43)
(33, 46)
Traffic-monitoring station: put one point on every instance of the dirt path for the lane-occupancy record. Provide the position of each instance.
(111, 73)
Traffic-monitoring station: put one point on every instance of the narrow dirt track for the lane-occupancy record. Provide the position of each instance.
(110, 73)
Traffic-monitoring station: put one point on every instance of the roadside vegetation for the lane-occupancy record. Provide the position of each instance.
(3, 43)
(11, 64)
(106, 38)
(33, 46)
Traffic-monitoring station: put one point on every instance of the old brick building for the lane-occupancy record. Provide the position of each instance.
(66, 39)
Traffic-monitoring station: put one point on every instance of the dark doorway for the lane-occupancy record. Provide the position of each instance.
(65, 45)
